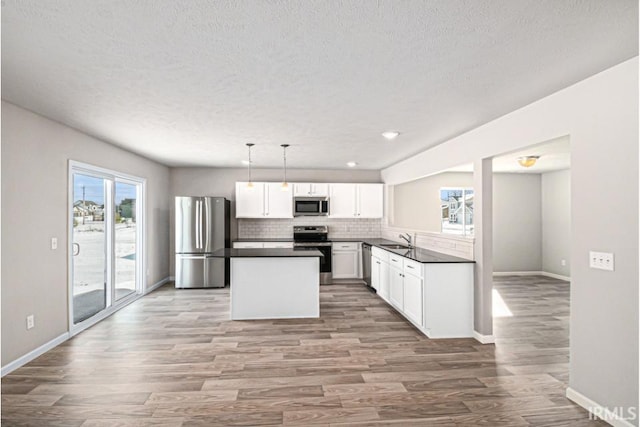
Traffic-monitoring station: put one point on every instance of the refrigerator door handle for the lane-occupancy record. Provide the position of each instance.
(198, 224)
(207, 223)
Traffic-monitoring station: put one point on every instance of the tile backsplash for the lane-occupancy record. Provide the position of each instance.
(283, 228)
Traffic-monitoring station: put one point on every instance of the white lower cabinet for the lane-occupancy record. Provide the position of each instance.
(384, 280)
(448, 300)
(413, 286)
(396, 288)
(278, 245)
(260, 245)
(248, 245)
(346, 260)
(435, 297)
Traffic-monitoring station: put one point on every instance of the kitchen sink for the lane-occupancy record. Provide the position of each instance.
(395, 246)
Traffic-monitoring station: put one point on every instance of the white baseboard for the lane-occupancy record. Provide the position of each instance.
(157, 285)
(484, 339)
(595, 408)
(23, 360)
(557, 276)
(532, 273)
(517, 273)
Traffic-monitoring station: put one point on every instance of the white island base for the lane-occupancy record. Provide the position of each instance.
(275, 288)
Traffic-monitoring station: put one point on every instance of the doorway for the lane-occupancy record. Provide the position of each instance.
(106, 242)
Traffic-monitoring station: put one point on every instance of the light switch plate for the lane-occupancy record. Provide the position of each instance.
(601, 260)
(30, 321)
(54, 243)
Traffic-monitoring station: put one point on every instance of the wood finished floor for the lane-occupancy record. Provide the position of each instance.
(174, 359)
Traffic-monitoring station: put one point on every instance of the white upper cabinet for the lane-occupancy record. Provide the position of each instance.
(263, 200)
(306, 189)
(342, 201)
(267, 200)
(356, 200)
(249, 201)
(278, 203)
(370, 198)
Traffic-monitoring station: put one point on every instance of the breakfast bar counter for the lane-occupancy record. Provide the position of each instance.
(273, 283)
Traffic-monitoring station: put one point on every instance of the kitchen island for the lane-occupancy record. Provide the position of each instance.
(273, 283)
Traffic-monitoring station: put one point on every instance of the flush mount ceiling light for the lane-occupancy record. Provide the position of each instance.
(391, 134)
(249, 182)
(528, 161)
(285, 184)
(352, 164)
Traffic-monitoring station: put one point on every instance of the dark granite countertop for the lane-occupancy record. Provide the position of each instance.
(265, 253)
(415, 254)
(426, 256)
(282, 239)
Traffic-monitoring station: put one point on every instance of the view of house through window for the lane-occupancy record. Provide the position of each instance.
(457, 210)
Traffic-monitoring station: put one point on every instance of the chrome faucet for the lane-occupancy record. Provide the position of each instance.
(407, 238)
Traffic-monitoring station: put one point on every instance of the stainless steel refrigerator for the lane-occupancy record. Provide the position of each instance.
(202, 226)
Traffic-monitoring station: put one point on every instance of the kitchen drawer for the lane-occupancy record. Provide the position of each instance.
(412, 267)
(346, 246)
(380, 253)
(285, 245)
(396, 260)
(249, 245)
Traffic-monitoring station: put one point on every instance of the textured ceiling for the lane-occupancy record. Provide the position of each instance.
(189, 83)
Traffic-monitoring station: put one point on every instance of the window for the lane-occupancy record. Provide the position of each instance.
(457, 210)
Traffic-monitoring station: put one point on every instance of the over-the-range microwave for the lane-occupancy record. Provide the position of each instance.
(310, 206)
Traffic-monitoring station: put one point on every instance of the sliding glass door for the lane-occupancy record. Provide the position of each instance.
(126, 242)
(106, 242)
(89, 247)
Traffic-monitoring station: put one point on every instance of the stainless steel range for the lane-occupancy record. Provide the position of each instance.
(306, 237)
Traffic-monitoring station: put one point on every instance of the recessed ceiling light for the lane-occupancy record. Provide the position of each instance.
(352, 164)
(244, 162)
(390, 134)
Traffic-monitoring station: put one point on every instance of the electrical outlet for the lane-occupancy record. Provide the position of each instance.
(54, 243)
(563, 262)
(31, 321)
(601, 260)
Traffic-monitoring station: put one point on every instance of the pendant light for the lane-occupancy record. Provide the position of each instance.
(285, 184)
(249, 183)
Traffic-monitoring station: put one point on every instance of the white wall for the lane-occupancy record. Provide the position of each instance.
(35, 155)
(600, 114)
(517, 222)
(416, 204)
(516, 207)
(556, 222)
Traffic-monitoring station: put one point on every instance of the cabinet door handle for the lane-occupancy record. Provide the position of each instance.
(410, 266)
(394, 260)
